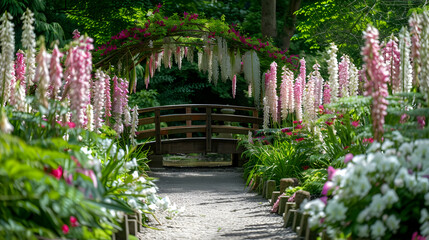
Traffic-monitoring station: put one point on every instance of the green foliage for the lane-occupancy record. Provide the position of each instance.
(343, 22)
(274, 161)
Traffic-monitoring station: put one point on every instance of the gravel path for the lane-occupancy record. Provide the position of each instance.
(217, 206)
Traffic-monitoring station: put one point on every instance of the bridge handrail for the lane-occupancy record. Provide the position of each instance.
(188, 117)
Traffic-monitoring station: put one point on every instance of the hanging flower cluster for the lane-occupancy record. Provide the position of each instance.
(99, 98)
(318, 85)
(376, 84)
(424, 56)
(42, 77)
(310, 110)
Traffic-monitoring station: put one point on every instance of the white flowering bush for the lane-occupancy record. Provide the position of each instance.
(383, 194)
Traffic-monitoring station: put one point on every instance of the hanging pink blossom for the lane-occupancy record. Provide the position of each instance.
(56, 72)
(20, 68)
(117, 105)
(234, 85)
(376, 84)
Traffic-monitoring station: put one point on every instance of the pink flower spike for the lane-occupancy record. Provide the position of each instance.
(234, 85)
(76, 34)
(65, 229)
(326, 187)
(348, 157)
(331, 172)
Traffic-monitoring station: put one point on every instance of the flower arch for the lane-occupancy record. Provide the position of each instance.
(223, 52)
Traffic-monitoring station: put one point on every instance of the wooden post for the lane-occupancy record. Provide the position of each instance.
(209, 129)
(271, 186)
(188, 122)
(157, 132)
(255, 125)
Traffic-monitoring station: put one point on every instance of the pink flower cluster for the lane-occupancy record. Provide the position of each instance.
(286, 93)
(376, 84)
(298, 97)
(56, 72)
(343, 76)
(271, 91)
(78, 71)
(392, 58)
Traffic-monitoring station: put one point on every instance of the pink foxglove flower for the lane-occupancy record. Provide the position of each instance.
(424, 56)
(318, 85)
(302, 73)
(108, 103)
(99, 98)
(42, 76)
(310, 112)
(7, 43)
(416, 28)
(391, 57)
(266, 121)
(29, 44)
(286, 93)
(78, 71)
(56, 72)
(19, 99)
(343, 76)
(134, 123)
(76, 34)
(333, 72)
(271, 91)
(298, 98)
(376, 84)
(234, 85)
(326, 94)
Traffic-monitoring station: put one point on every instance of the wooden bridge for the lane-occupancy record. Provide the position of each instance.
(196, 128)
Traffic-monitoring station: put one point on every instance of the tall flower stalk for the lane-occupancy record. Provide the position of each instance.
(354, 79)
(377, 78)
(7, 43)
(343, 76)
(286, 93)
(298, 98)
(416, 28)
(56, 72)
(333, 71)
(271, 91)
(42, 76)
(99, 97)
(29, 45)
(392, 57)
(406, 70)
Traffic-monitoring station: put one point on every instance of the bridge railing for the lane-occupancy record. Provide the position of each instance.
(195, 121)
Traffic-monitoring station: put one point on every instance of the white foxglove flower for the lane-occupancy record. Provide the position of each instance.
(7, 43)
(333, 72)
(29, 44)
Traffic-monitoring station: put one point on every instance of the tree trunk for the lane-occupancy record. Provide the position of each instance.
(290, 21)
(268, 19)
